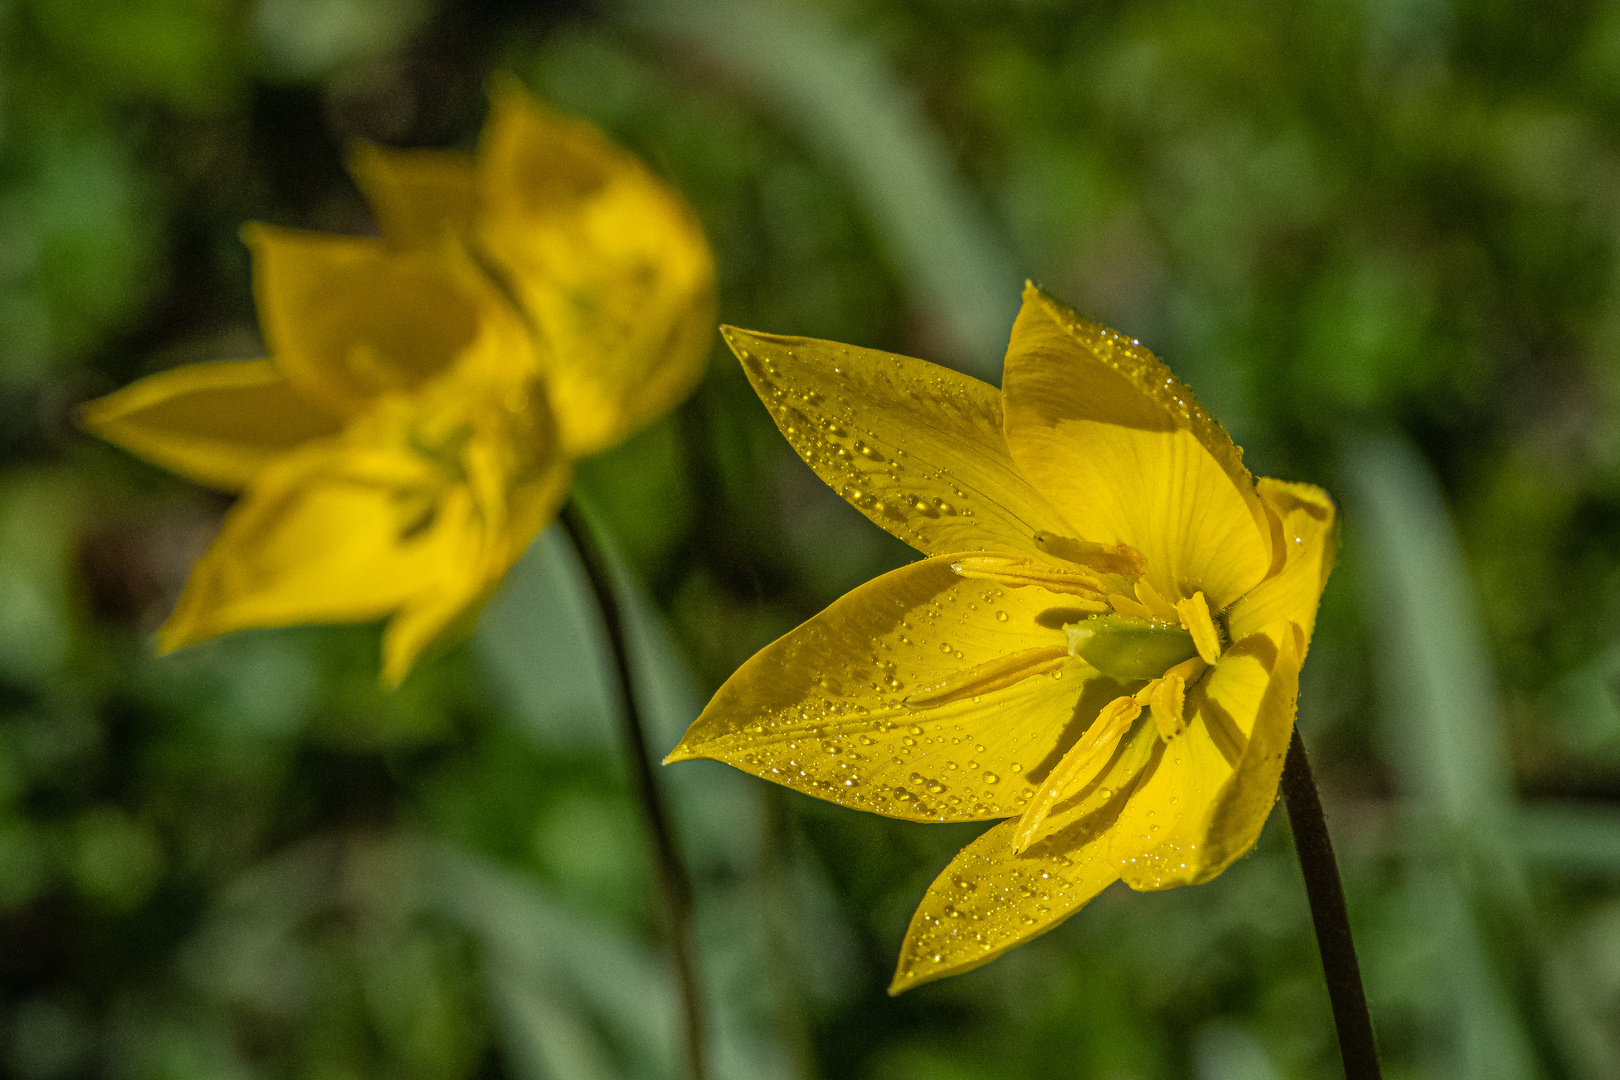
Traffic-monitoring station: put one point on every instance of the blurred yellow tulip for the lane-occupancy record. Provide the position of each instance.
(426, 393)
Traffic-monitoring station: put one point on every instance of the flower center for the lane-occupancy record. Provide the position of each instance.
(1127, 648)
(1169, 656)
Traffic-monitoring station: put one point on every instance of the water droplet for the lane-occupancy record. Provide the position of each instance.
(1001, 616)
(990, 778)
(1016, 768)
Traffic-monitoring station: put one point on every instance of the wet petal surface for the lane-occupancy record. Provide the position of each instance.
(915, 447)
(1125, 455)
(1223, 758)
(824, 709)
(988, 900)
(1309, 528)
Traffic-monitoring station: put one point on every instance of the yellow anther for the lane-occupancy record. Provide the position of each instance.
(1127, 605)
(1077, 767)
(1195, 619)
(994, 674)
(1119, 559)
(1158, 605)
(1016, 573)
(1168, 700)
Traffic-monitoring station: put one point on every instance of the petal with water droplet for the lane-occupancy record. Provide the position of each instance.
(1218, 769)
(1308, 525)
(1126, 455)
(941, 480)
(989, 900)
(824, 710)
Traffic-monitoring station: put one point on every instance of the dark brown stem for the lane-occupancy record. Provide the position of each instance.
(675, 885)
(1325, 892)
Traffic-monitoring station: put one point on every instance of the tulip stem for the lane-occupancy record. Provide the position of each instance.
(1325, 891)
(675, 884)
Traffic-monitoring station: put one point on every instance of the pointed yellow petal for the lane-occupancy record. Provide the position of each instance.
(327, 534)
(1219, 769)
(609, 262)
(215, 423)
(416, 195)
(988, 900)
(1244, 803)
(1125, 454)
(347, 319)
(823, 710)
(487, 552)
(915, 447)
(1309, 529)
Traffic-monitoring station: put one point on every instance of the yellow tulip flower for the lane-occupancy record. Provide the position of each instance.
(426, 393)
(1102, 645)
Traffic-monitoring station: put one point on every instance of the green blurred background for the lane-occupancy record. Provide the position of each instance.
(1381, 238)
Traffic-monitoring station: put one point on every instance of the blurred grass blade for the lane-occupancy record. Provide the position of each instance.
(1572, 839)
(546, 964)
(544, 648)
(544, 651)
(1442, 724)
(542, 643)
(1439, 682)
(840, 92)
(544, 1038)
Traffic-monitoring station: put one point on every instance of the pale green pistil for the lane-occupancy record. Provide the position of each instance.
(1123, 647)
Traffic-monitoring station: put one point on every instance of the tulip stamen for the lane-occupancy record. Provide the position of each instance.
(1120, 559)
(1077, 767)
(1193, 614)
(992, 675)
(1016, 573)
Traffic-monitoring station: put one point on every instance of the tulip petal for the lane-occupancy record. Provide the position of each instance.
(989, 900)
(416, 195)
(824, 709)
(496, 535)
(331, 533)
(608, 261)
(1244, 803)
(348, 319)
(1202, 802)
(1309, 532)
(1124, 453)
(215, 423)
(915, 447)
